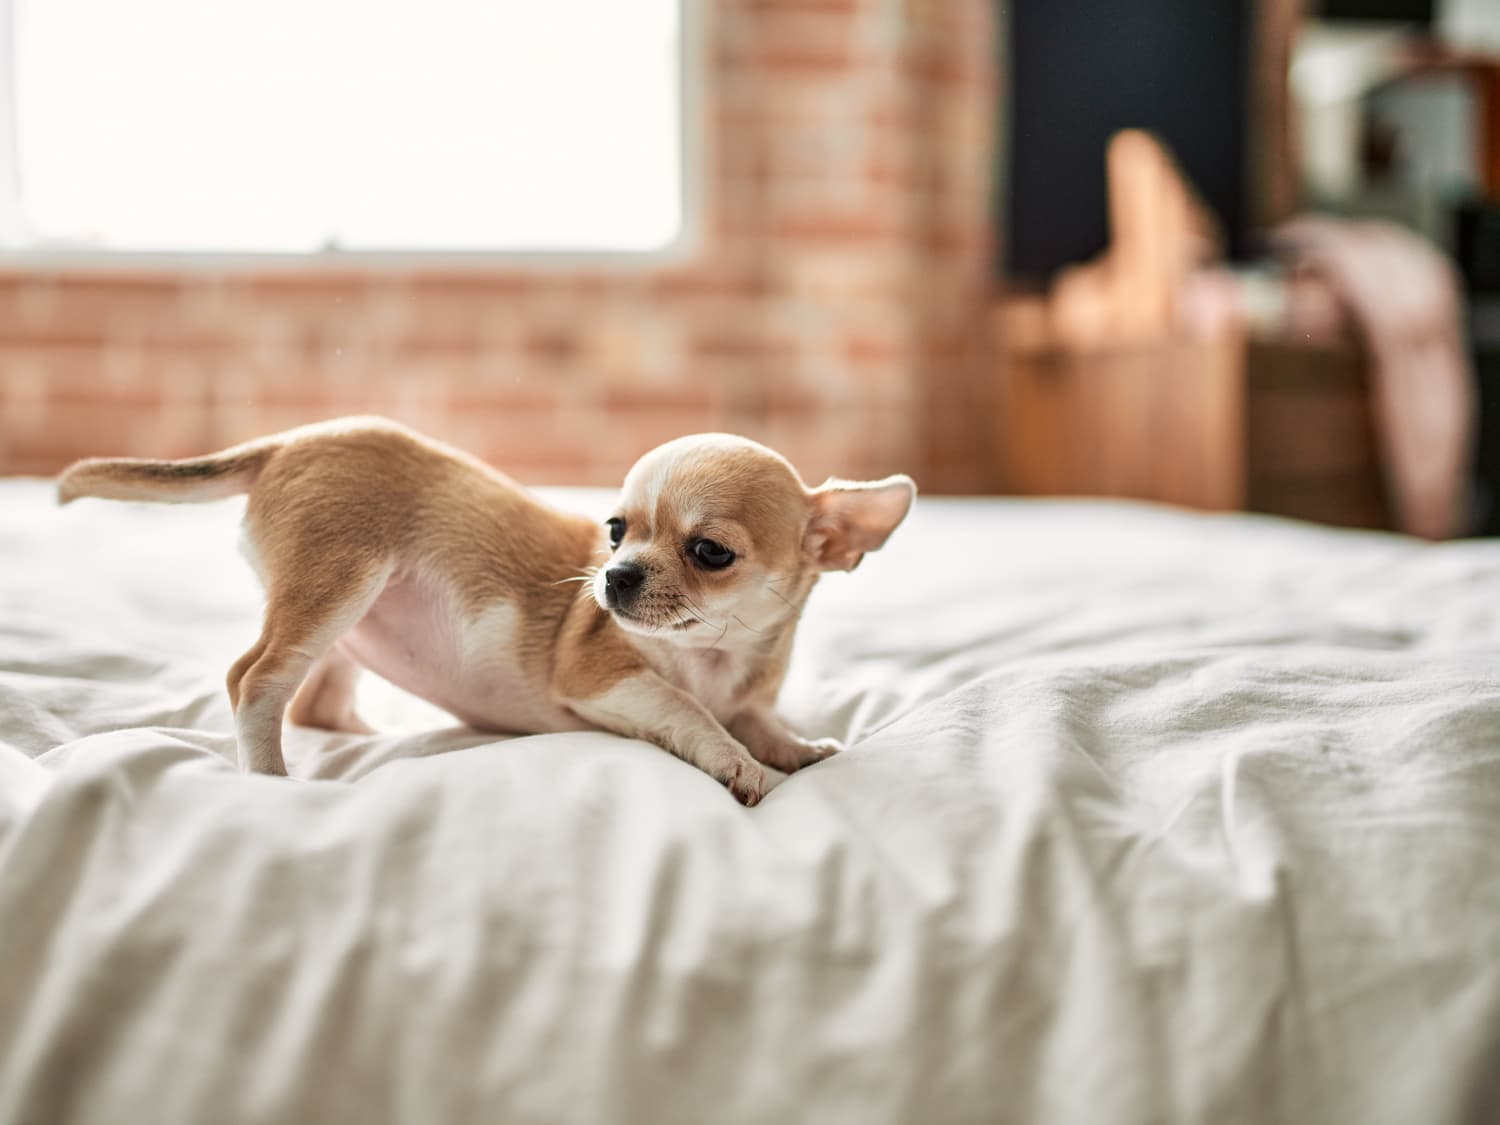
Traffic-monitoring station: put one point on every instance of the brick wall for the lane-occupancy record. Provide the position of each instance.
(836, 308)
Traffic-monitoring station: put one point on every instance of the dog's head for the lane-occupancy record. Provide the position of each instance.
(715, 533)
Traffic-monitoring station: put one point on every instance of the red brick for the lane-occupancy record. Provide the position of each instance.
(62, 395)
(790, 400)
(863, 348)
(482, 399)
(806, 58)
(557, 345)
(495, 285)
(90, 429)
(201, 341)
(67, 315)
(55, 335)
(433, 341)
(832, 226)
(715, 284)
(730, 346)
(645, 399)
(327, 287)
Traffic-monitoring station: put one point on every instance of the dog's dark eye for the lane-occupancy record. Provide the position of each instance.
(713, 555)
(616, 530)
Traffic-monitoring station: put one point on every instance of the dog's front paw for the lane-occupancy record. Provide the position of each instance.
(791, 753)
(817, 750)
(744, 778)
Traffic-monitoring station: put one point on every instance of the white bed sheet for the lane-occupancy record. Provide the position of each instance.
(1146, 817)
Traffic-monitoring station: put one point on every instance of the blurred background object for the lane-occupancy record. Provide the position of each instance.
(1082, 70)
(1334, 368)
(1028, 246)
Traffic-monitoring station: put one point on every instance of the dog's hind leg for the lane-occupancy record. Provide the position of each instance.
(326, 698)
(303, 621)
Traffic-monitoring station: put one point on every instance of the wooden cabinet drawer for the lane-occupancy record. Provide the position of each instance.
(1279, 428)
(1311, 449)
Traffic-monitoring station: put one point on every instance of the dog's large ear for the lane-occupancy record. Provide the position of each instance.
(852, 517)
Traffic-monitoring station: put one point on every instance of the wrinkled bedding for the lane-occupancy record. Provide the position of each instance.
(1146, 816)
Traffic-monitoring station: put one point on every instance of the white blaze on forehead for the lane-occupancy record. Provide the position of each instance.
(649, 479)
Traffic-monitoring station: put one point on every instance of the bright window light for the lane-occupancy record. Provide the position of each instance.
(352, 125)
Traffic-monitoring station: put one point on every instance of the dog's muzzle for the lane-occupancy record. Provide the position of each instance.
(622, 585)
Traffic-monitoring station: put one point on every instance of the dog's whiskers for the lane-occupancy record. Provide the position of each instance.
(772, 587)
(722, 634)
(587, 574)
(697, 611)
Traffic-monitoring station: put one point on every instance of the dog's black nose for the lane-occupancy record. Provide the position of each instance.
(622, 583)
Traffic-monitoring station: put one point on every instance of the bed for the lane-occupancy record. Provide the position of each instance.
(1146, 816)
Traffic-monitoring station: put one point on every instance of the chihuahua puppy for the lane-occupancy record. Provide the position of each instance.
(382, 549)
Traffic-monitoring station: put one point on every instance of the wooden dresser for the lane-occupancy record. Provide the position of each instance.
(1227, 424)
(1135, 375)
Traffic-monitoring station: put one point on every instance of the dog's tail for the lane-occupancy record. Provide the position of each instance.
(196, 479)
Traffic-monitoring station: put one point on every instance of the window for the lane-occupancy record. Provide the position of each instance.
(295, 126)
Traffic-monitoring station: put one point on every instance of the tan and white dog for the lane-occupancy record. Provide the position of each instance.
(383, 549)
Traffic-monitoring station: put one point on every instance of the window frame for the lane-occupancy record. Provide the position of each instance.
(686, 246)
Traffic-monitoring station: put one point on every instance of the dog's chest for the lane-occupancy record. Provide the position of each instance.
(713, 677)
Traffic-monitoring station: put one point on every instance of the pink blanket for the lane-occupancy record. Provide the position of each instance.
(1405, 301)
